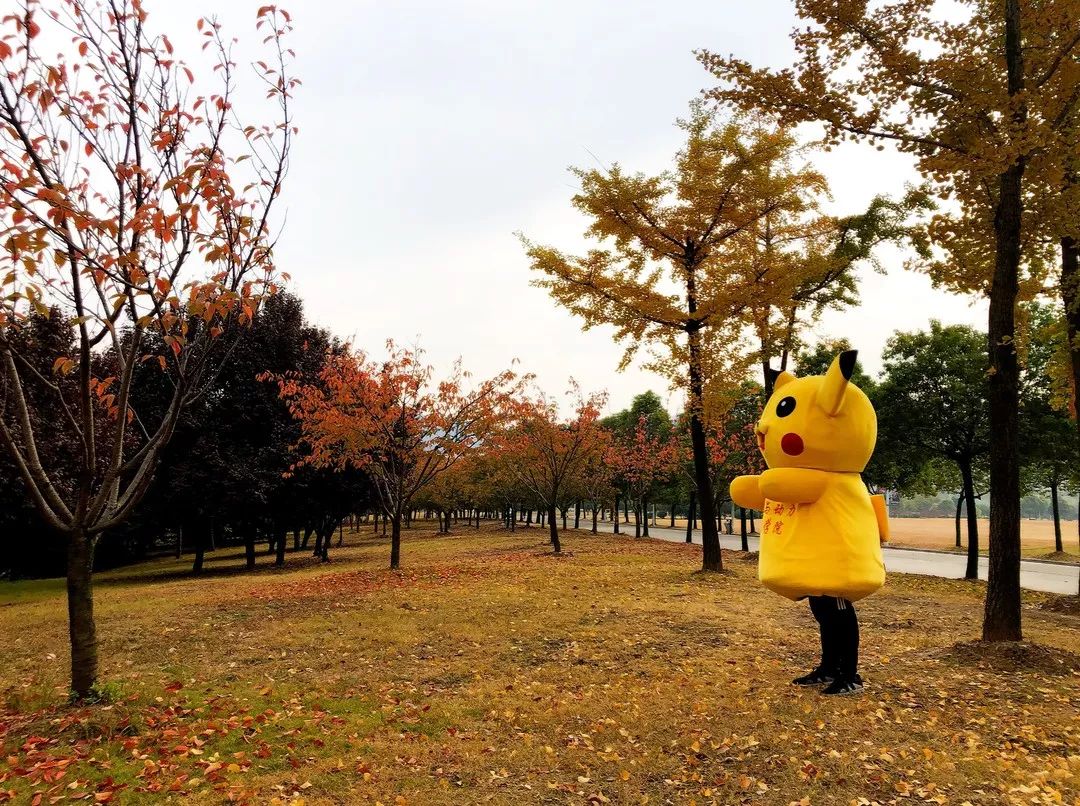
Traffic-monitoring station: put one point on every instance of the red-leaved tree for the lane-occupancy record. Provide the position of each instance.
(643, 460)
(393, 420)
(135, 203)
(547, 452)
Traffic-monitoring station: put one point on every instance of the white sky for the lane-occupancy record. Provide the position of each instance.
(431, 131)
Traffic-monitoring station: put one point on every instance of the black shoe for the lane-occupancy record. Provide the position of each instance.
(818, 677)
(844, 686)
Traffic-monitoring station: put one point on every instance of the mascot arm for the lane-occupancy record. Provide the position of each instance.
(881, 512)
(746, 492)
(794, 485)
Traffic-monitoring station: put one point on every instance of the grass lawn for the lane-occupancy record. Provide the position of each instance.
(488, 670)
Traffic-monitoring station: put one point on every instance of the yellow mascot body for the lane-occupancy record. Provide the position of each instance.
(821, 531)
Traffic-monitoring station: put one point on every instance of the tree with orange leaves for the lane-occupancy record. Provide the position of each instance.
(138, 207)
(550, 452)
(642, 460)
(392, 419)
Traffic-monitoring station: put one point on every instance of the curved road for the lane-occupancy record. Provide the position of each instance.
(1038, 575)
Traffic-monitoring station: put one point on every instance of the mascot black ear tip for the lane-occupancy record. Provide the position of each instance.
(847, 363)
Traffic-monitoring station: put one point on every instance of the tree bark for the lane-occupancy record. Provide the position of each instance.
(615, 515)
(553, 528)
(81, 628)
(395, 541)
(637, 519)
(595, 514)
(1001, 617)
(249, 546)
(971, 571)
(711, 559)
(673, 505)
(691, 514)
(280, 537)
(959, 507)
(202, 537)
(577, 514)
(1058, 545)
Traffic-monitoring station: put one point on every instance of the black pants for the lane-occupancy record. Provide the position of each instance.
(839, 634)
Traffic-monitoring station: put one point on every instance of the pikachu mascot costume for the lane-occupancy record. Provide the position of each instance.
(821, 530)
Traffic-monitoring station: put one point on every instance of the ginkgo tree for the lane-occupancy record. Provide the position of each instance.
(136, 204)
(675, 271)
(394, 420)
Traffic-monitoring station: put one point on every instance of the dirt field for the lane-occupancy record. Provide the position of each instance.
(1037, 536)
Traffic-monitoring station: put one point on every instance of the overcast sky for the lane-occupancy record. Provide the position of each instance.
(432, 131)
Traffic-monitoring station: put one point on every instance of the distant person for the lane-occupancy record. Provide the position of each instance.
(821, 530)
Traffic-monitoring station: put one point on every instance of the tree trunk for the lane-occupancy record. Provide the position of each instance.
(564, 512)
(1058, 545)
(296, 539)
(80, 600)
(691, 514)
(959, 507)
(280, 537)
(595, 514)
(615, 515)
(753, 528)
(202, 537)
(971, 571)
(249, 546)
(553, 528)
(743, 534)
(673, 505)
(711, 559)
(637, 519)
(395, 541)
(645, 516)
(1001, 617)
(742, 522)
(328, 533)
(577, 514)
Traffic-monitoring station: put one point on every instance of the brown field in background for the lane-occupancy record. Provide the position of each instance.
(941, 533)
(1037, 536)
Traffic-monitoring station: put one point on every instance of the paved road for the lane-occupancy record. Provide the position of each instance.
(1034, 574)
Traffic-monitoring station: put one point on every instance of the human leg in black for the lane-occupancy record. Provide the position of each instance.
(823, 608)
(845, 626)
(847, 632)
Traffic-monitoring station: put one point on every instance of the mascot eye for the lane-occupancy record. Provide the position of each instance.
(785, 407)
